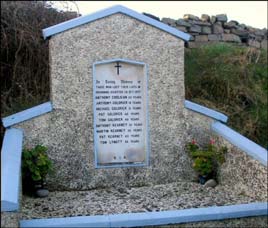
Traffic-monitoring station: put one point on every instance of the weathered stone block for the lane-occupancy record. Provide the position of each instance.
(169, 21)
(240, 32)
(182, 22)
(243, 26)
(231, 38)
(181, 28)
(202, 23)
(259, 38)
(259, 32)
(254, 43)
(230, 24)
(191, 45)
(213, 19)
(217, 29)
(250, 29)
(214, 37)
(205, 17)
(190, 17)
(201, 44)
(221, 17)
(195, 28)
(201, 38)
(264, 44)
(227, 31)
(206, 30)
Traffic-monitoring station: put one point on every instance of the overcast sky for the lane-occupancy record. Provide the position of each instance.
(253, 13)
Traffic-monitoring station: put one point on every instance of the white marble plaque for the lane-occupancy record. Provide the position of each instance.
(120, 113)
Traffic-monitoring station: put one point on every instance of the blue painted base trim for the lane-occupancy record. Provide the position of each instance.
(10, 169)
(27, 114)
(243, 143)
(153, 218)
(206, 111)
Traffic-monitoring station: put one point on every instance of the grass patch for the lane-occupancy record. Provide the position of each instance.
(233, 80)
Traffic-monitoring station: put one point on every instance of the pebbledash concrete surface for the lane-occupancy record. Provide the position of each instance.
(67, 130)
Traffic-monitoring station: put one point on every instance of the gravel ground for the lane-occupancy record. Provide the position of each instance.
(178, 195)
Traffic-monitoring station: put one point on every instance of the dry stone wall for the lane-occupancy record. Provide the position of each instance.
(213, 29)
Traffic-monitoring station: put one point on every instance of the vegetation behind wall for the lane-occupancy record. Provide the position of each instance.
(233, 80)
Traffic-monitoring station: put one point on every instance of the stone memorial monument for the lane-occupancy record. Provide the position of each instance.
(117, 119)
(117, 91)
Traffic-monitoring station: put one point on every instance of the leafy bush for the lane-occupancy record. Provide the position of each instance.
(35, 164)
(233, 80)
(206, 160)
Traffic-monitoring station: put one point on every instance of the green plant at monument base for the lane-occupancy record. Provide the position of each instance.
(206, 160)
(35, 167)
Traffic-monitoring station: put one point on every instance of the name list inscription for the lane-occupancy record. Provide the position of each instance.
(120, 114)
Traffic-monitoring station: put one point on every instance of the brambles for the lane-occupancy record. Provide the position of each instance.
(24, 53)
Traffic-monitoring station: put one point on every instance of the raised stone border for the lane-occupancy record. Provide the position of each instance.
(243, 143)
(10, 169)
(27, 114)
(206, 111)
(153, 218)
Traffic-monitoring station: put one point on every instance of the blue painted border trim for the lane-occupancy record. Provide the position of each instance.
(10, 169)
(154, 218)
(147, 141)
(206, 111)
(27, 114)
(243, 143)
(50, 31)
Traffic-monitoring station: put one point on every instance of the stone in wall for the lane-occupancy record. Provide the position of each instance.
(181, 22)
(214, 37)
(221, 17)
(181, 28)
(201, 38)
(259, 32)
(240, 32)
(195, 28)
(213, 19)
(205, 17)
(206, 30)
(217, 28)
(202, 23)
(231, 38)
(169, 21)
(254, 43)
(264, 44)
(193, 35)
(230, 24)
(190, 17)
